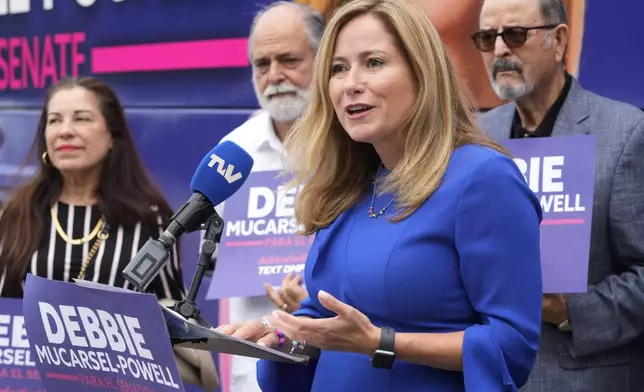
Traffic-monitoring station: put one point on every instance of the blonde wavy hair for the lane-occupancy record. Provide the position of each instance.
(336, 171)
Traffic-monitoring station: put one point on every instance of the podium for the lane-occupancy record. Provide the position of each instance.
(86, 336)
(188, 333)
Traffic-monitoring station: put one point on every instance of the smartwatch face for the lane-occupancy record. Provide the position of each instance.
(383, 359)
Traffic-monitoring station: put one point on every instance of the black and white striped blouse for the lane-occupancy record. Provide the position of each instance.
(59, 260)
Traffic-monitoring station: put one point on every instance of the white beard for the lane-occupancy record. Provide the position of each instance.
(286, 108)
(512, 92)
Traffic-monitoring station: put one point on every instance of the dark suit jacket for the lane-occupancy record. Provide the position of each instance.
(605, 351)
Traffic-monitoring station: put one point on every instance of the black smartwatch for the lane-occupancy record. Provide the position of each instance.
(384, 356)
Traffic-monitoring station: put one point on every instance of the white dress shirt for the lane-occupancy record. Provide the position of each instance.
(258, 138)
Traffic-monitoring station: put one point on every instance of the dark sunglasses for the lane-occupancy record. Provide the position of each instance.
(514, 37)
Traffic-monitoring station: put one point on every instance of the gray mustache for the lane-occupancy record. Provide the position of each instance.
(503, 64)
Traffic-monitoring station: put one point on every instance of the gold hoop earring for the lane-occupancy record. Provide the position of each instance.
(44, 158)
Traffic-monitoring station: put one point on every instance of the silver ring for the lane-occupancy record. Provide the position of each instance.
(297, 345)
(266, 323)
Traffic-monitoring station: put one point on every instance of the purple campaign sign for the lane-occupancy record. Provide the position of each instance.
(561, 172)
(89, 339)
(258, 244)
(18, 370)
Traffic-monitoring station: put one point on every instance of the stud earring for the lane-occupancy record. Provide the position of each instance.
(44, 158)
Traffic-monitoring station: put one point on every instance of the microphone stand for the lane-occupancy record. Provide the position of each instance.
(187, 307)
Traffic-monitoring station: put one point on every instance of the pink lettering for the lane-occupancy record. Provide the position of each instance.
(77, 58)
(14, 63)
(36, 62)
(48, 67)
(62, 40)
(4, 69)
(30, 62)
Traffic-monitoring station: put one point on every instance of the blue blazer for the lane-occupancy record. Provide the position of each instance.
(467, 260)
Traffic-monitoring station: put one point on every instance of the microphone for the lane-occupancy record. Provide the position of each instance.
(219, 175)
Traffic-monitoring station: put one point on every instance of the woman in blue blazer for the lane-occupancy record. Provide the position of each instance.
(425, 270)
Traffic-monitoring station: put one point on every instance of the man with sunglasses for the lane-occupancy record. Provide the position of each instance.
(592, 341)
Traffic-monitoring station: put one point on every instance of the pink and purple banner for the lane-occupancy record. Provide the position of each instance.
(18, 371)
(98, 338)
(259, 245)
(561, 172)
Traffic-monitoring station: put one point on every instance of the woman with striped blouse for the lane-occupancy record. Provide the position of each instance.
(91, 205)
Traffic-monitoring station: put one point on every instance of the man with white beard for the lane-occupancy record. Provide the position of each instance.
(282, 43)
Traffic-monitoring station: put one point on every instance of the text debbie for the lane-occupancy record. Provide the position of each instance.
(92, 339)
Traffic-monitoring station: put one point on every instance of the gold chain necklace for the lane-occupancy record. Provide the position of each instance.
(104, 234)
(79, 241)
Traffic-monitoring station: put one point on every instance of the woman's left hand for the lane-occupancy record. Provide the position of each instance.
(350, 330)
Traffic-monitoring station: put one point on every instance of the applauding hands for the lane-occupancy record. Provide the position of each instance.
(290, 294)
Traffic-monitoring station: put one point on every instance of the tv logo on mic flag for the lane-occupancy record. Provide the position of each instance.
(18, 370)
(226, 170)
(87, 338)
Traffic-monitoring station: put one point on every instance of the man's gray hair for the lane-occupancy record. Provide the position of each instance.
(553, 11)
(313, 20)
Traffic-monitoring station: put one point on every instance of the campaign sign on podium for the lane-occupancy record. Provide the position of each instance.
(88, 339)
(258, 244)
(18, 370)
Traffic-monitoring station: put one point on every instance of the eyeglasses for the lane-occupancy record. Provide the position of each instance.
(514, 37)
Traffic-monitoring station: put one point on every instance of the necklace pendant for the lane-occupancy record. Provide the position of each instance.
(373, 199)
(372, 215)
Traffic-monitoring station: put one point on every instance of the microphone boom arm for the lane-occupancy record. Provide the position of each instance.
(154, 254)
(187, 307)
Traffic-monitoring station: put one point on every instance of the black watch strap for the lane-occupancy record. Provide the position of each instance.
(384, 356)
(387, 339)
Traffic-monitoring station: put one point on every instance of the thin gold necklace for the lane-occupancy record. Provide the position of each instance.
(79, 241)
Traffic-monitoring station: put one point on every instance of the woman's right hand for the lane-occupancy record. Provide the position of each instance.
(254, 331)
